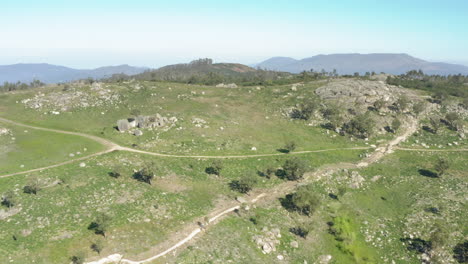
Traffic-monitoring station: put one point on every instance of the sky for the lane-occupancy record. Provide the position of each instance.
(152, 33)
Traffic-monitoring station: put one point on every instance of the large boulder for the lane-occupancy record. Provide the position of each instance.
(123, 125)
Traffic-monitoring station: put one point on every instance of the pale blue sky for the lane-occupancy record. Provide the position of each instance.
(153, 33)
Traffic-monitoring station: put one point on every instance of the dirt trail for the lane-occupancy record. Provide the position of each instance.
(111, 146)
(105, 142)
(58, 164)
(272, 194)
(179, 239)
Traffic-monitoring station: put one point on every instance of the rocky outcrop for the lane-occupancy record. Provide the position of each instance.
(359, 91)
(145, 122)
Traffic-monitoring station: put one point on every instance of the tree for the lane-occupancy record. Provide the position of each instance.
(33, 187)
(441, 166)
(146, 174)
(379, 104)
(360, 126)
(460, 252)
(100, 224)
(8, 199)
(308, 108)
(333, 115)
(79, 258)
(97, 246)
(270, 171)
(245, 184)
(294, 169)
(465, 102)
(396, 123)
(440, 96)
(116, 172)
(452, 119)
(305, 200)
(435, 124)
(215, 168)
(419, 107)
(402, 103)
(290, 146)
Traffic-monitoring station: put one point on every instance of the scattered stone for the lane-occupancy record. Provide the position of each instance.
(138, 133)
(324, 259)
(356, 180)
(254, 149)
(222, 85)
(198, 122)
(241, 199)
(294, 244)
(4, 131)
(280, 257)
(82, 165)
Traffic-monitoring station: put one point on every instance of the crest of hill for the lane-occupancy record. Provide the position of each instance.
(393, 63)
(202, 66)
(204, 71)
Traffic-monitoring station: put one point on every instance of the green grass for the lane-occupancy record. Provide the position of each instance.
(27, 149)
(142, 215)
(368, 222)
(248, 118)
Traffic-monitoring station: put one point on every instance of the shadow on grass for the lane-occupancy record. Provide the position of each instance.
(428, 129)
(428, 173)
(282, 150)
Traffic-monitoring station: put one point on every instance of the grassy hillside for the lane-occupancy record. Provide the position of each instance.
(366, 215)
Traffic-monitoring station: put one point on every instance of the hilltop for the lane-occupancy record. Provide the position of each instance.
(393, 63)
(204, 71)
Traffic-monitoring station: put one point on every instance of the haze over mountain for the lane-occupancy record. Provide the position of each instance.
(48, 73)
(393, 63)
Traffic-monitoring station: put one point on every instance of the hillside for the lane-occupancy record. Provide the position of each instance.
(204, 71)
(350, 63)
(48, 73)
(347, 170)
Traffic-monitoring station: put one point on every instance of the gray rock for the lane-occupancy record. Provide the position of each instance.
(138, 133)
(241, 199)
(123, 125)
(294, 244)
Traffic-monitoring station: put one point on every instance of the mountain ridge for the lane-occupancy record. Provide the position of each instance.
(49, 73)
(349, 63)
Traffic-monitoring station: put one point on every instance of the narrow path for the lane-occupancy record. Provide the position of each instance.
(111, 146)
(276, 192)
(273, 194)
(59, 164)
(432, 150)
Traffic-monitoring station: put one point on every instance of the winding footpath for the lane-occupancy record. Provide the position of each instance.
(179, 240)
(111, 146)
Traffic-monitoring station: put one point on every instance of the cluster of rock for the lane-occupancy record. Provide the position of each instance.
(269, 240)
(359, 91)
(223, 85)
(198, 122)
(356, 180)
(4, 131)
(72, 99)
(145, 122)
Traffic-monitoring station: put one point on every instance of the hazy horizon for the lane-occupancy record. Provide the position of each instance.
(88, 34)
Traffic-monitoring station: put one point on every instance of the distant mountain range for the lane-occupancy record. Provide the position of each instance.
(350, 63)
(48, 73)
(344, 64)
